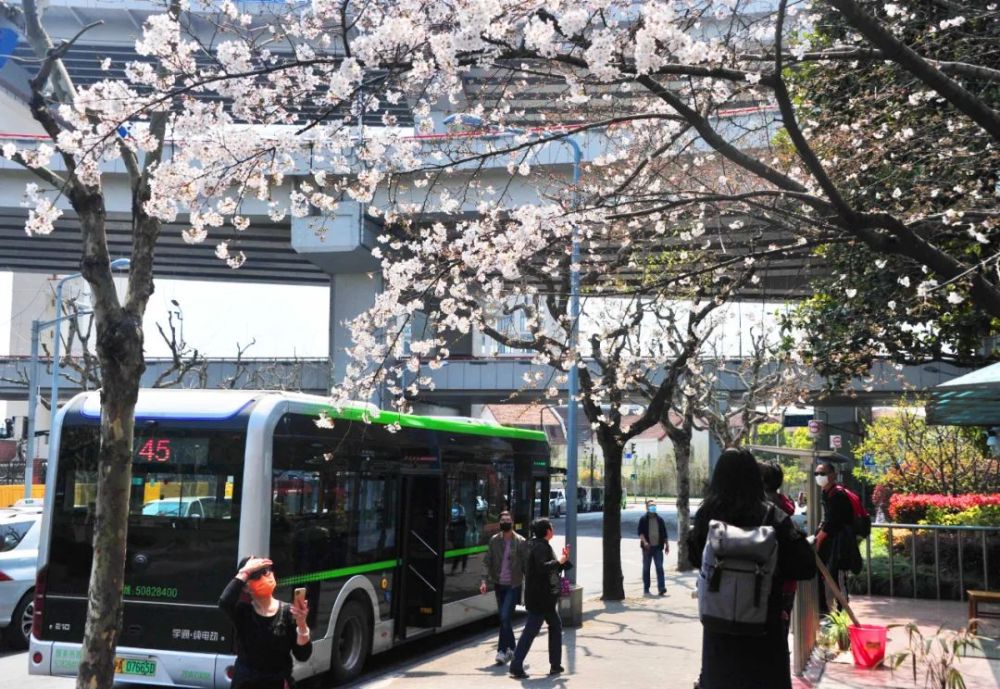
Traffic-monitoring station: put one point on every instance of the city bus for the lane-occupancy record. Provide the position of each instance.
(384, 518)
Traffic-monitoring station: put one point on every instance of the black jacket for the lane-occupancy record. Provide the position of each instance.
(541, 576)
(840, 549)
(264, 645)
(644, 528)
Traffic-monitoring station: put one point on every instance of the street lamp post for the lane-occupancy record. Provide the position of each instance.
(117, 264)
(573, 383)
(29, 450)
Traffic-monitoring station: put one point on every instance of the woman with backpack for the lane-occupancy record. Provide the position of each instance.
(751, 654)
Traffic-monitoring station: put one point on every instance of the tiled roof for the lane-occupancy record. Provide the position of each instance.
(654, 432)
(533, 415)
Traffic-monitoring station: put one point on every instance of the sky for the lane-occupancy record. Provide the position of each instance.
(281, 320)
(284, 320)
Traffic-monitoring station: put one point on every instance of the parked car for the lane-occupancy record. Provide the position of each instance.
(557, 502)
(596, 499)
(19, 533)
(538, 507)
(193, 506)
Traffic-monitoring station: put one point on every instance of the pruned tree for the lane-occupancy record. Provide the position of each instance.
(735, 391)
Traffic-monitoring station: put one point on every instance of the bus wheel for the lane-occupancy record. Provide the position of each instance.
(352, 642)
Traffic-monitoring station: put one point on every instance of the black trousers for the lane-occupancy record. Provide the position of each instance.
(531, 628)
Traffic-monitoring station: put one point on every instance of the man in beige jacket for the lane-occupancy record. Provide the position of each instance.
(503, 567)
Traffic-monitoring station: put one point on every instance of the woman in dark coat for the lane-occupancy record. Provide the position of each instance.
(268, 632)
(736, 496)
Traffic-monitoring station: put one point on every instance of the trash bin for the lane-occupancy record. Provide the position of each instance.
(571, 607)
(867, 644)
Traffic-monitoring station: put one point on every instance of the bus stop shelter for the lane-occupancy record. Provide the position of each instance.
(969, 400)
(805, 619)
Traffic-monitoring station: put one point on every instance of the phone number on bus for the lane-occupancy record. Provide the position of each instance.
(150, 591)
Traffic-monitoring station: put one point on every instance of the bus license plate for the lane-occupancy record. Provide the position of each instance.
(135, 666)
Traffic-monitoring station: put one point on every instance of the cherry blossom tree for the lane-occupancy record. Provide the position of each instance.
(274, 109)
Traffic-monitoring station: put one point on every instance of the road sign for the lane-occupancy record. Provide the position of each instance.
(868, 460)
(815, 427)
(796, 420)
(835, 442)
(627, 458)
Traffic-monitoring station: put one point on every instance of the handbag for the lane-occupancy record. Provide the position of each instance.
(565, 587)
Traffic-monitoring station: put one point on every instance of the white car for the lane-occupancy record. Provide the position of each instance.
(557, 502)
(192, 506)
(19, 533)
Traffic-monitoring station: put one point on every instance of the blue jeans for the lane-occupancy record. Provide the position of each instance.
(530, 631)
(653, 554)
(507, 598)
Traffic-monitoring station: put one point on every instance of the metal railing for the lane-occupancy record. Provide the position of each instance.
(962, 534)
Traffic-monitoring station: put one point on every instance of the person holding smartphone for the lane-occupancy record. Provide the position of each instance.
(268, 632)
(541, 596)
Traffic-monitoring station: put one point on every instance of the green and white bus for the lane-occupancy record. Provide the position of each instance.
(384, 518)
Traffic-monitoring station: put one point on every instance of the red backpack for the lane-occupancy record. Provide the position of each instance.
(862, 522)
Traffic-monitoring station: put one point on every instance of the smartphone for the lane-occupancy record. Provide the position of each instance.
(300, 596)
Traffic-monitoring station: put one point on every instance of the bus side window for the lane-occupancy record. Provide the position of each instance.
(377, 512)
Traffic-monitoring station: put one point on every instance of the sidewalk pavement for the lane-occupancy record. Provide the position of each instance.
(978, 672)
(644, 641)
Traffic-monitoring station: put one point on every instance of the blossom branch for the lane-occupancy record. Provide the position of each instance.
(908, 59)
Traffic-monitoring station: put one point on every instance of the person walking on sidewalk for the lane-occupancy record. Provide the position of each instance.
(653, 539)
(736, 498)
(835, 541)
(541, 594)
(503, 568)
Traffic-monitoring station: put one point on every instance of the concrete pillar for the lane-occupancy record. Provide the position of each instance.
(340, 243)
(350, 294)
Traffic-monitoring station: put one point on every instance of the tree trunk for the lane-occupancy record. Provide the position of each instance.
(613, 587)
(682, 458)
(119, 347)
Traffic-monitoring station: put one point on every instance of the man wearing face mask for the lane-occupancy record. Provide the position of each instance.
(653, 539)
(268, 632)
(835, 540)
(503, 568)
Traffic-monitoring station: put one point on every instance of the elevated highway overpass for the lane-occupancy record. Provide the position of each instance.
(466, 381)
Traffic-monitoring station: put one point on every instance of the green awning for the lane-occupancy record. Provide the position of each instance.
(969, 400)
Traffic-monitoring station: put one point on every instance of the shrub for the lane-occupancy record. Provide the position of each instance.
(980, 515)
(912, 509)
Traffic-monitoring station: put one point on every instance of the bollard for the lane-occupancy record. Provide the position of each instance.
(571, 607)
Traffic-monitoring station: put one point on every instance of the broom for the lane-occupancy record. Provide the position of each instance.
(837, 593)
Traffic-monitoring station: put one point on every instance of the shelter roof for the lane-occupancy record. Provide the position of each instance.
(969, 400)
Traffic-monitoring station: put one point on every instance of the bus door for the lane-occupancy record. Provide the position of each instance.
(422, 556)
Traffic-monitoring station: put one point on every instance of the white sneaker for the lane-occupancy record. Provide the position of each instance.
(501, 657)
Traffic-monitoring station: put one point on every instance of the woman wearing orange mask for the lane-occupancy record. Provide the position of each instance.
(268, 632)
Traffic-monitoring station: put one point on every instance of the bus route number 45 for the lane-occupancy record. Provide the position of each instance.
(156, 450)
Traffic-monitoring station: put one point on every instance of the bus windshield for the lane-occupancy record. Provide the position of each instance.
(183, 512)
